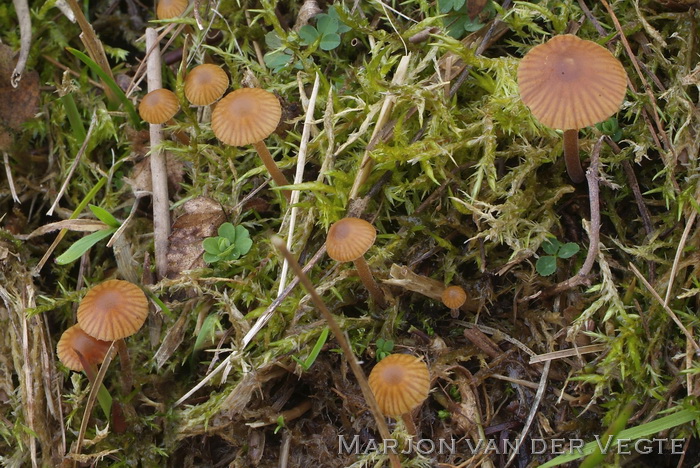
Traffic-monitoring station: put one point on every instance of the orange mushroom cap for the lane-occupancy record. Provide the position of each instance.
(349, 239)
(158, 106)
(400, 383)
(453, 297)
(246, 116)
(75, 339)
(205, 84)
(167, 9)
(570, 83)
(113, 310)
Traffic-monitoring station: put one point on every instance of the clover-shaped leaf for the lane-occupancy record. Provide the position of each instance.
(230, 244)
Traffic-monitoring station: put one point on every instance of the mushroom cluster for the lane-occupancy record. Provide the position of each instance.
(110, 311)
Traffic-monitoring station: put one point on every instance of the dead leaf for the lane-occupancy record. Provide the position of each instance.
(140, 179)
(17, 105)
(201, 218)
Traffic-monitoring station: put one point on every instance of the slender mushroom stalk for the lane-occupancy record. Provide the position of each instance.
(571, 158)
(400, 383)
(570, 83)
(347, 241)
(246, 117)
(112, 311)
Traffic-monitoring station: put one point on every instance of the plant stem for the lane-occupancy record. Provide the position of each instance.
(344, 345)
(571, 158)
(272, 168)
(159, 176)
(368, 280)
(125, 364)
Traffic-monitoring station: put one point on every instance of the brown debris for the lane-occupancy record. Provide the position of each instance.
(201, 218)
(17, 105)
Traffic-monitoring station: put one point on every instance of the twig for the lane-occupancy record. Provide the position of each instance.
(73, 167)
(564, 353)
(666, 308)
(533, 412)
(25, 32)
(645, 83)
(159, 171)
(299, 177)
(92, 396)
(593, 232)
(367, 163)
(343, 342)
(257, 326)
(10, 181)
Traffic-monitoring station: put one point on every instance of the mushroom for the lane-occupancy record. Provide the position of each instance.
(570, 83)
(79, 351)
(159, 107)
(248, 116)
(112, 311)
(400, 383)
(167, 9)
(205, 84)
(347, 241)
(453, 297)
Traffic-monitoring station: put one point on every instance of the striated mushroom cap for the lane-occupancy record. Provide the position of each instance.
(570, 83)
(113, 310)
(75, 339)
(453, 297)
(246, 116)
(205, 84)
(167, 9)
(400, 383)
(158, 106)
(349, 239)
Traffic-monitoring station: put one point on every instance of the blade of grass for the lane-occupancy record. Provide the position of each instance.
(111, 85)
(654, 427)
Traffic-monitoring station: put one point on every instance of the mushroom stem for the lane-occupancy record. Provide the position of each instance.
(368, 280)
(272, 168)
(410, 425)
(571, 158)
(125, 364)
(179, 134)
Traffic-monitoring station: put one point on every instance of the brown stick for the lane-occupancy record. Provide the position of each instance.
(368, 280)
(279, 244)
(272, 168)
(571, 158)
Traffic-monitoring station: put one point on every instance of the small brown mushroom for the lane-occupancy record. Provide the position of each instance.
(400, 383)
(159, 107)
(248, 116)
(112, 311)
(453, 297)
(167, 9)
(205, 84)
(79, 351)
(347, 241)
(570, 83)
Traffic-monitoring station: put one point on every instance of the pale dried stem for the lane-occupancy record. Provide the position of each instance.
(368, 280)
(159, 176)
(272, 168)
